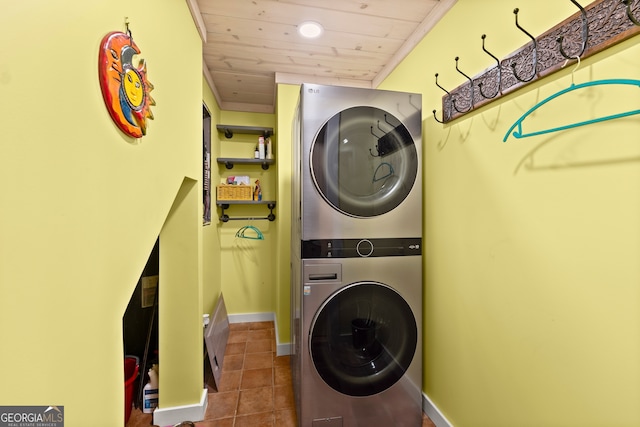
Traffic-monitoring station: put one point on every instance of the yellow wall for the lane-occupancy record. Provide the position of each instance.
(287, 100)
(211, 233)
(82, 205)
(531, 296)
(531, 302)
(247, 266)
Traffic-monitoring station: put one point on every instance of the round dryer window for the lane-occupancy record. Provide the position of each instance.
(364, 161)
(363, 338)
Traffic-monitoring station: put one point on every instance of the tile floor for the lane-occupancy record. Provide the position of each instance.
(255, 389)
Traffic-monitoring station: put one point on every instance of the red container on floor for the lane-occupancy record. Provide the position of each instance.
(130, 375)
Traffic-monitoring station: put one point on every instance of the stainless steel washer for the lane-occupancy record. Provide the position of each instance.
(360, 163)
(357, 320)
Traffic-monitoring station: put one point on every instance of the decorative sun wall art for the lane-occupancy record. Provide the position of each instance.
(125, 88)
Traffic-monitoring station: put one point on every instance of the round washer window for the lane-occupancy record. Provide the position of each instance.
(363, 339)
(364, 162)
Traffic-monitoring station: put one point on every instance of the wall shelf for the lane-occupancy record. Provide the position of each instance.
(229, 130)
(225, 204)
(228, 162)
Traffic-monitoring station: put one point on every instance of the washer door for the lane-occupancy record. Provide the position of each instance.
(364, 162)
(363, 338)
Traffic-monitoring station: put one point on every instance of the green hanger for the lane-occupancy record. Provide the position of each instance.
(241, 233)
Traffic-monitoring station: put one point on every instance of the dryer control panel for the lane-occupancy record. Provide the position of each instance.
(361, 248)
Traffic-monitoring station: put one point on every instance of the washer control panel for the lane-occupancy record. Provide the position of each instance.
(361, 248)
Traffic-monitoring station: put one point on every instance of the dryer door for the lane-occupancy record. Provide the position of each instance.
(363, 338)
(364, 162)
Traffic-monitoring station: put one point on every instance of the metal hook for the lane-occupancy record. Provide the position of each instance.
(471, 82)
(535, 52)
(585, 34)
(379, 128)
(441, 86)
(629, 14)
(499, 73)
(387, 121)
(448, 93)
(374, 133)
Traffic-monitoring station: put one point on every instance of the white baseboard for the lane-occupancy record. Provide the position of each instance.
(252, 317)
(432, 411)
(282, 349)
(174, 415)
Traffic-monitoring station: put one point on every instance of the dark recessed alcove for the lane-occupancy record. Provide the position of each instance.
(140, 322)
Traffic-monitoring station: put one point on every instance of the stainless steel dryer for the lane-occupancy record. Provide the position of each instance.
(357, 357)
(360, 163)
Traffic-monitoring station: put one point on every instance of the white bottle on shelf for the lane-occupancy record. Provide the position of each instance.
(261, 147)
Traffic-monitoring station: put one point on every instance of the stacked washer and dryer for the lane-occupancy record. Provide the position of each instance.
(357, 258)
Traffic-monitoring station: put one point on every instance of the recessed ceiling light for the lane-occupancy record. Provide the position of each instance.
(310, 29)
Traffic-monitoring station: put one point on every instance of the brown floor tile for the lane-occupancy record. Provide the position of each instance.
(264, 419)
(260, 334)
(230, 380)
(258, 360)
(256, 378)
(282, 361)
(259, 346)
(255, 400)
(286, 418)
(260, 325)
(281, 375)
(235, 348)
(222, 405)
(283, 397)
(238, 336)
(244, 326)
(233, 362)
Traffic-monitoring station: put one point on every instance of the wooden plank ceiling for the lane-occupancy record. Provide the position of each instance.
(248, 45)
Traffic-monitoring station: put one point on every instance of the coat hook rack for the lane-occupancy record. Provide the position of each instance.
(596, 27)
(585, 34)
